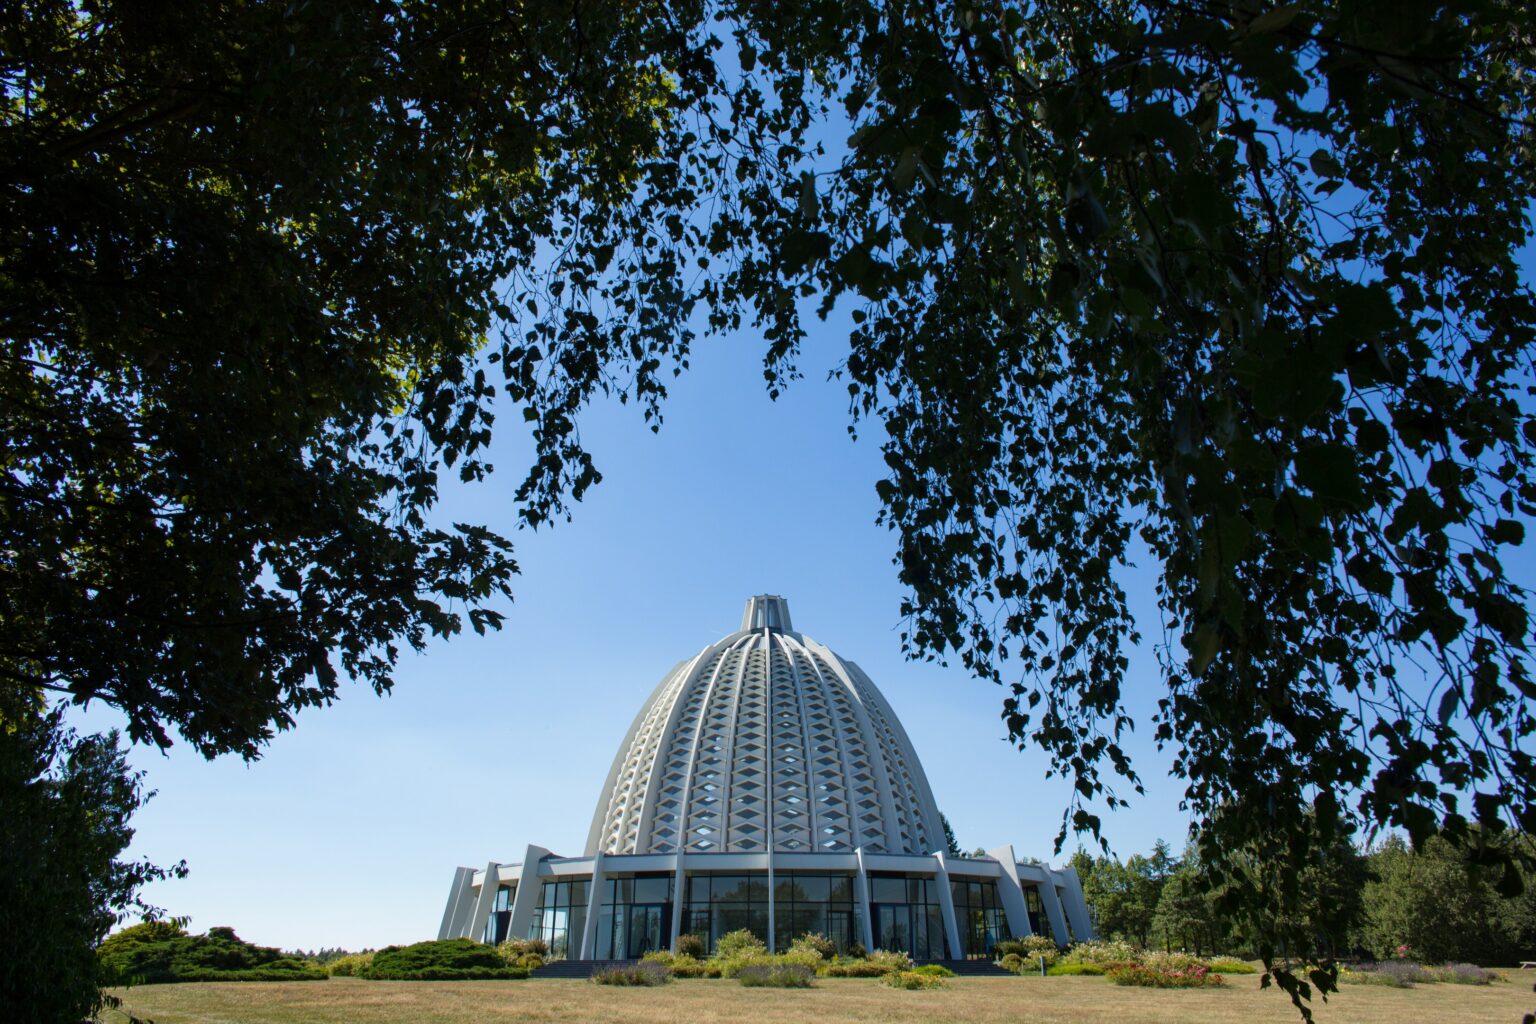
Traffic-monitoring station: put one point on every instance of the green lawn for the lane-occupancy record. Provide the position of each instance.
(968, 1000)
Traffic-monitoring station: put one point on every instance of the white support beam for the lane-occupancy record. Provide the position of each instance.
(1076, 904)
(947, 905)
(1052, 903)
(1012, 893)
(588, 948)
(771, 929)
(462, 889)
(861, 883)
(484, 903)
(527, 895)
(679, 893)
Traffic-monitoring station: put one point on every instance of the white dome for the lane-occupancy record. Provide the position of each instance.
(766, 739)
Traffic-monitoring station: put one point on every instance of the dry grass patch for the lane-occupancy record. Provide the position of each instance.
(965, 1001)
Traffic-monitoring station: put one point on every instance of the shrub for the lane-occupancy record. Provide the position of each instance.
(1075, 970)
(162, 952)
(1226, 966)
(1197, 976)
(1461, 974)
(1014, 963)
(712, 969)
(891, 960)
(856, 969)
(857, 951)
(1102, 953)
(690, 945)
(934, 971)
(737, 944)
(730, 967)
(515, 949)
(776, 975)
(349, 966)
(683, 966)
(814, 942)
(1364, 975)
(443, 960)
(646, 973)
(658, 956)
(913, 980)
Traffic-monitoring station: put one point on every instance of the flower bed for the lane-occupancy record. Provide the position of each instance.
(1151, 976)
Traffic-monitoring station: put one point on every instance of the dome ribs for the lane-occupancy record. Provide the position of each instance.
(766, 740)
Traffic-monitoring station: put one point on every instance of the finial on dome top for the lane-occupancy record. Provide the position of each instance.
(767, 611)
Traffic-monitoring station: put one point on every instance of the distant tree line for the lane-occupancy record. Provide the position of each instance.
(1358, 903)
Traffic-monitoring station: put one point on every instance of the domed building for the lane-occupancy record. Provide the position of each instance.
(766, 784)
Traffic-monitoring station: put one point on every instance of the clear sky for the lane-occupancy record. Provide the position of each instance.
(347, 831)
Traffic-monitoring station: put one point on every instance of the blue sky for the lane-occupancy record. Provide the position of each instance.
(347, 831)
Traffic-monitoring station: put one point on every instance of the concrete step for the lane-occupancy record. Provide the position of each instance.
(578, 968)
(970, 968)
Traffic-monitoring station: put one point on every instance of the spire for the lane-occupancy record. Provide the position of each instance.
(767, 611)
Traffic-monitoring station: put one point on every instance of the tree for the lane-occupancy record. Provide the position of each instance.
(1185, 917)
(1122, 897)
(66, 802)
(1233, 288)
(1229, 288)
(1429, 901)
(951, 845)
(258, 262)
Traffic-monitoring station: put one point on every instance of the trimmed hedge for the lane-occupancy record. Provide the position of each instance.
(445, 960)
(1072, 970)
(913, 980)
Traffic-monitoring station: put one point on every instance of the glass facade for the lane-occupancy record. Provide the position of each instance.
(634, 917)
(497, 924)
(1036, 909)
(979, 916)
(813, 903)
(906, 915)
(718, 904)
(560, 917)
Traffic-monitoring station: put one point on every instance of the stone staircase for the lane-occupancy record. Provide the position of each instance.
(970, 968)
(578, 968)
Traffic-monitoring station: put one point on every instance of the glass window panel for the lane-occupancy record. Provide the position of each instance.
(727, 918)
(936, 941)
(887, 890)
(580, 893)
(698, 889)
(757, 922)
(757, 889)
(842, 890)
(957, 894)
(653, 890)
(811, 918)
(729, 887)
(626, 890)
(605, 934)
(788, 890)
(815, 887)
(783, 930)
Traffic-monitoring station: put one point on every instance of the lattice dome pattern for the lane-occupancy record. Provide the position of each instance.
(766, 740)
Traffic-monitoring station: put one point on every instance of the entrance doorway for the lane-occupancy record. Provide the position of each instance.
(649, 924)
